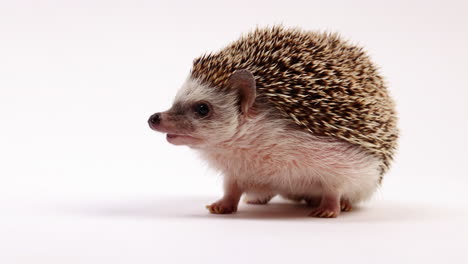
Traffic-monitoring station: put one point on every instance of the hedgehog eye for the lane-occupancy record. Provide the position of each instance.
(202, 109)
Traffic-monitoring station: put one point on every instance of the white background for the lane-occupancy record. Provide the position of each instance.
(84, 180)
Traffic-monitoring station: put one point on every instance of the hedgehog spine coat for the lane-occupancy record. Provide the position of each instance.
(287, 112)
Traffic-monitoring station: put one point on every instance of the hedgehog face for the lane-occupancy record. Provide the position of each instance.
(203, 116)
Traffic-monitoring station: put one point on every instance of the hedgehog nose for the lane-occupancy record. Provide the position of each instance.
(154, 119)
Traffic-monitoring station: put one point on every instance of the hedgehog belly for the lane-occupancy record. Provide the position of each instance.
(298, 165)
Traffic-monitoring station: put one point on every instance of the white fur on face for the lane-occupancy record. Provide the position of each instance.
(223, 123)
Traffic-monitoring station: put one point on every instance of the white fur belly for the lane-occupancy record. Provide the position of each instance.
(300, 165)
(303, 172)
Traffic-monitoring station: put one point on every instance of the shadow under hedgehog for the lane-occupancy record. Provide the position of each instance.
(288, 112)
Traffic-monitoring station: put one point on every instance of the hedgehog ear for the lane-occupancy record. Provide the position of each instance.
(244, 82)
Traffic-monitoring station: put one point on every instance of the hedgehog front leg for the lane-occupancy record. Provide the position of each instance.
(227, 204)
(329, 205)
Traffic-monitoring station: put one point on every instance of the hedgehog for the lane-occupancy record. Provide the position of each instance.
(282, 111)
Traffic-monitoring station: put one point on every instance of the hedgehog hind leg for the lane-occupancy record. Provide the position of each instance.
(314, 201)
(329, 207)
(258, 197)
(346, 205)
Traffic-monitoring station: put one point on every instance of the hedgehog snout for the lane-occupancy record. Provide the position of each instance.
(154, 120)
(164, 122)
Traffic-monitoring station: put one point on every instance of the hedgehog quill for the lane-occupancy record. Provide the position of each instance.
(300, 114)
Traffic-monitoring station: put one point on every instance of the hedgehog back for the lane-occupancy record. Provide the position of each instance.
(327, 86)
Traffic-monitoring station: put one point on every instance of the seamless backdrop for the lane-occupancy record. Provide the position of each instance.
(84, 180)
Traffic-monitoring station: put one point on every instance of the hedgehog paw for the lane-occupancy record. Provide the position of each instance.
(329, 207)
(222, 207)
(325, 212)
(346, 205)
